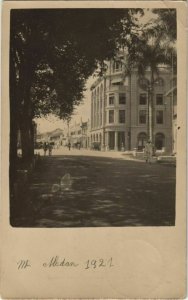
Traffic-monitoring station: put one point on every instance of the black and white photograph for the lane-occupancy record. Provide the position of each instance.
(93, 110)
(93, 117)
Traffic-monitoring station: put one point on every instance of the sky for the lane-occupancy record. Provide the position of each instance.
(83, 110)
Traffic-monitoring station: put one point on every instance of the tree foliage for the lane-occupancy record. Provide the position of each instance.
(70, 42)
(52, 53)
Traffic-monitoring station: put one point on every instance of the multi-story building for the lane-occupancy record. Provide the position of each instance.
(120, 110)
(172, 97)
(79, 134)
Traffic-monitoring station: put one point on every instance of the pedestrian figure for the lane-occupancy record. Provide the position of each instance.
(69, 146)
(45, 147)
(50, 149)
(148, 152)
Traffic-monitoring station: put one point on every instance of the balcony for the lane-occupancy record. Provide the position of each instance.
(116, 89)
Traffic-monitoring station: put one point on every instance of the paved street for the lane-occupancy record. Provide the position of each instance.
(100, 191)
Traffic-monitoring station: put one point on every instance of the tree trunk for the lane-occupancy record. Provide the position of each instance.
(27, 139)
(26, 124)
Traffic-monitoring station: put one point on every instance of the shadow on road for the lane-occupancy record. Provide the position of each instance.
(103, 192)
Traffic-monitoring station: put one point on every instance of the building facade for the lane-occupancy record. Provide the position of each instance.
(172, 97)
(120, 110)
(79, 135)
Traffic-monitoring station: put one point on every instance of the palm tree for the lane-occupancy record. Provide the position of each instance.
(149, 50)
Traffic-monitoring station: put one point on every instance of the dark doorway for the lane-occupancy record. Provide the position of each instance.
(121, 140)
(111, 140)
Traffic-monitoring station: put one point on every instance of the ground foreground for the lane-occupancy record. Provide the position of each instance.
(100, 191)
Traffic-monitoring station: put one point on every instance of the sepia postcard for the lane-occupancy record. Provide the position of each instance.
(93, 110)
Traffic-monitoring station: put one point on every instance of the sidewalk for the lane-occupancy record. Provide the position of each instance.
(107, 154)
(94, 153)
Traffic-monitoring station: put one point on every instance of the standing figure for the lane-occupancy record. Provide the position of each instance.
(45, 147)
(69, 146)
(148, 151)
(50, 149)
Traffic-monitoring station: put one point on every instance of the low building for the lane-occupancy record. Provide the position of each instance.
(56, 137)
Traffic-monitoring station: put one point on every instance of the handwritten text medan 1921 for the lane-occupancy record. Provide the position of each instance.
(56, 261)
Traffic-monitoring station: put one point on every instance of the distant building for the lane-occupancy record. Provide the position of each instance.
(85, 126)
(119, 110)
(56, 137)
(79, 134)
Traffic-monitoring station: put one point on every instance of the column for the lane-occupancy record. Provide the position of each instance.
(116, 141)
(107, 140)
(92, 111)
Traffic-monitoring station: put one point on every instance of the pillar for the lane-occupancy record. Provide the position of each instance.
(107, 140)
(116, 141)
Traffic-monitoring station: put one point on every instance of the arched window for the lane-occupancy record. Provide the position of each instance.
(100, 138)
(141, 140)
(159, 141)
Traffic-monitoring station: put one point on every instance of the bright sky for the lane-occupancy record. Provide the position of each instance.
(83, 110)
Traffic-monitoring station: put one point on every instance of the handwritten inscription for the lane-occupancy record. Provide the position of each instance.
(99, 263)
(57, 262)
(23, 264)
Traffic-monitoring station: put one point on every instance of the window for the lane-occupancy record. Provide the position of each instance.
(159, 99)
(111, 99)
(142, 116)
(159, 117)
(121, 116)
(141, 140)
(143, 99)
(159, 141)
(122, 99)
(117, 67)
(111, 116)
